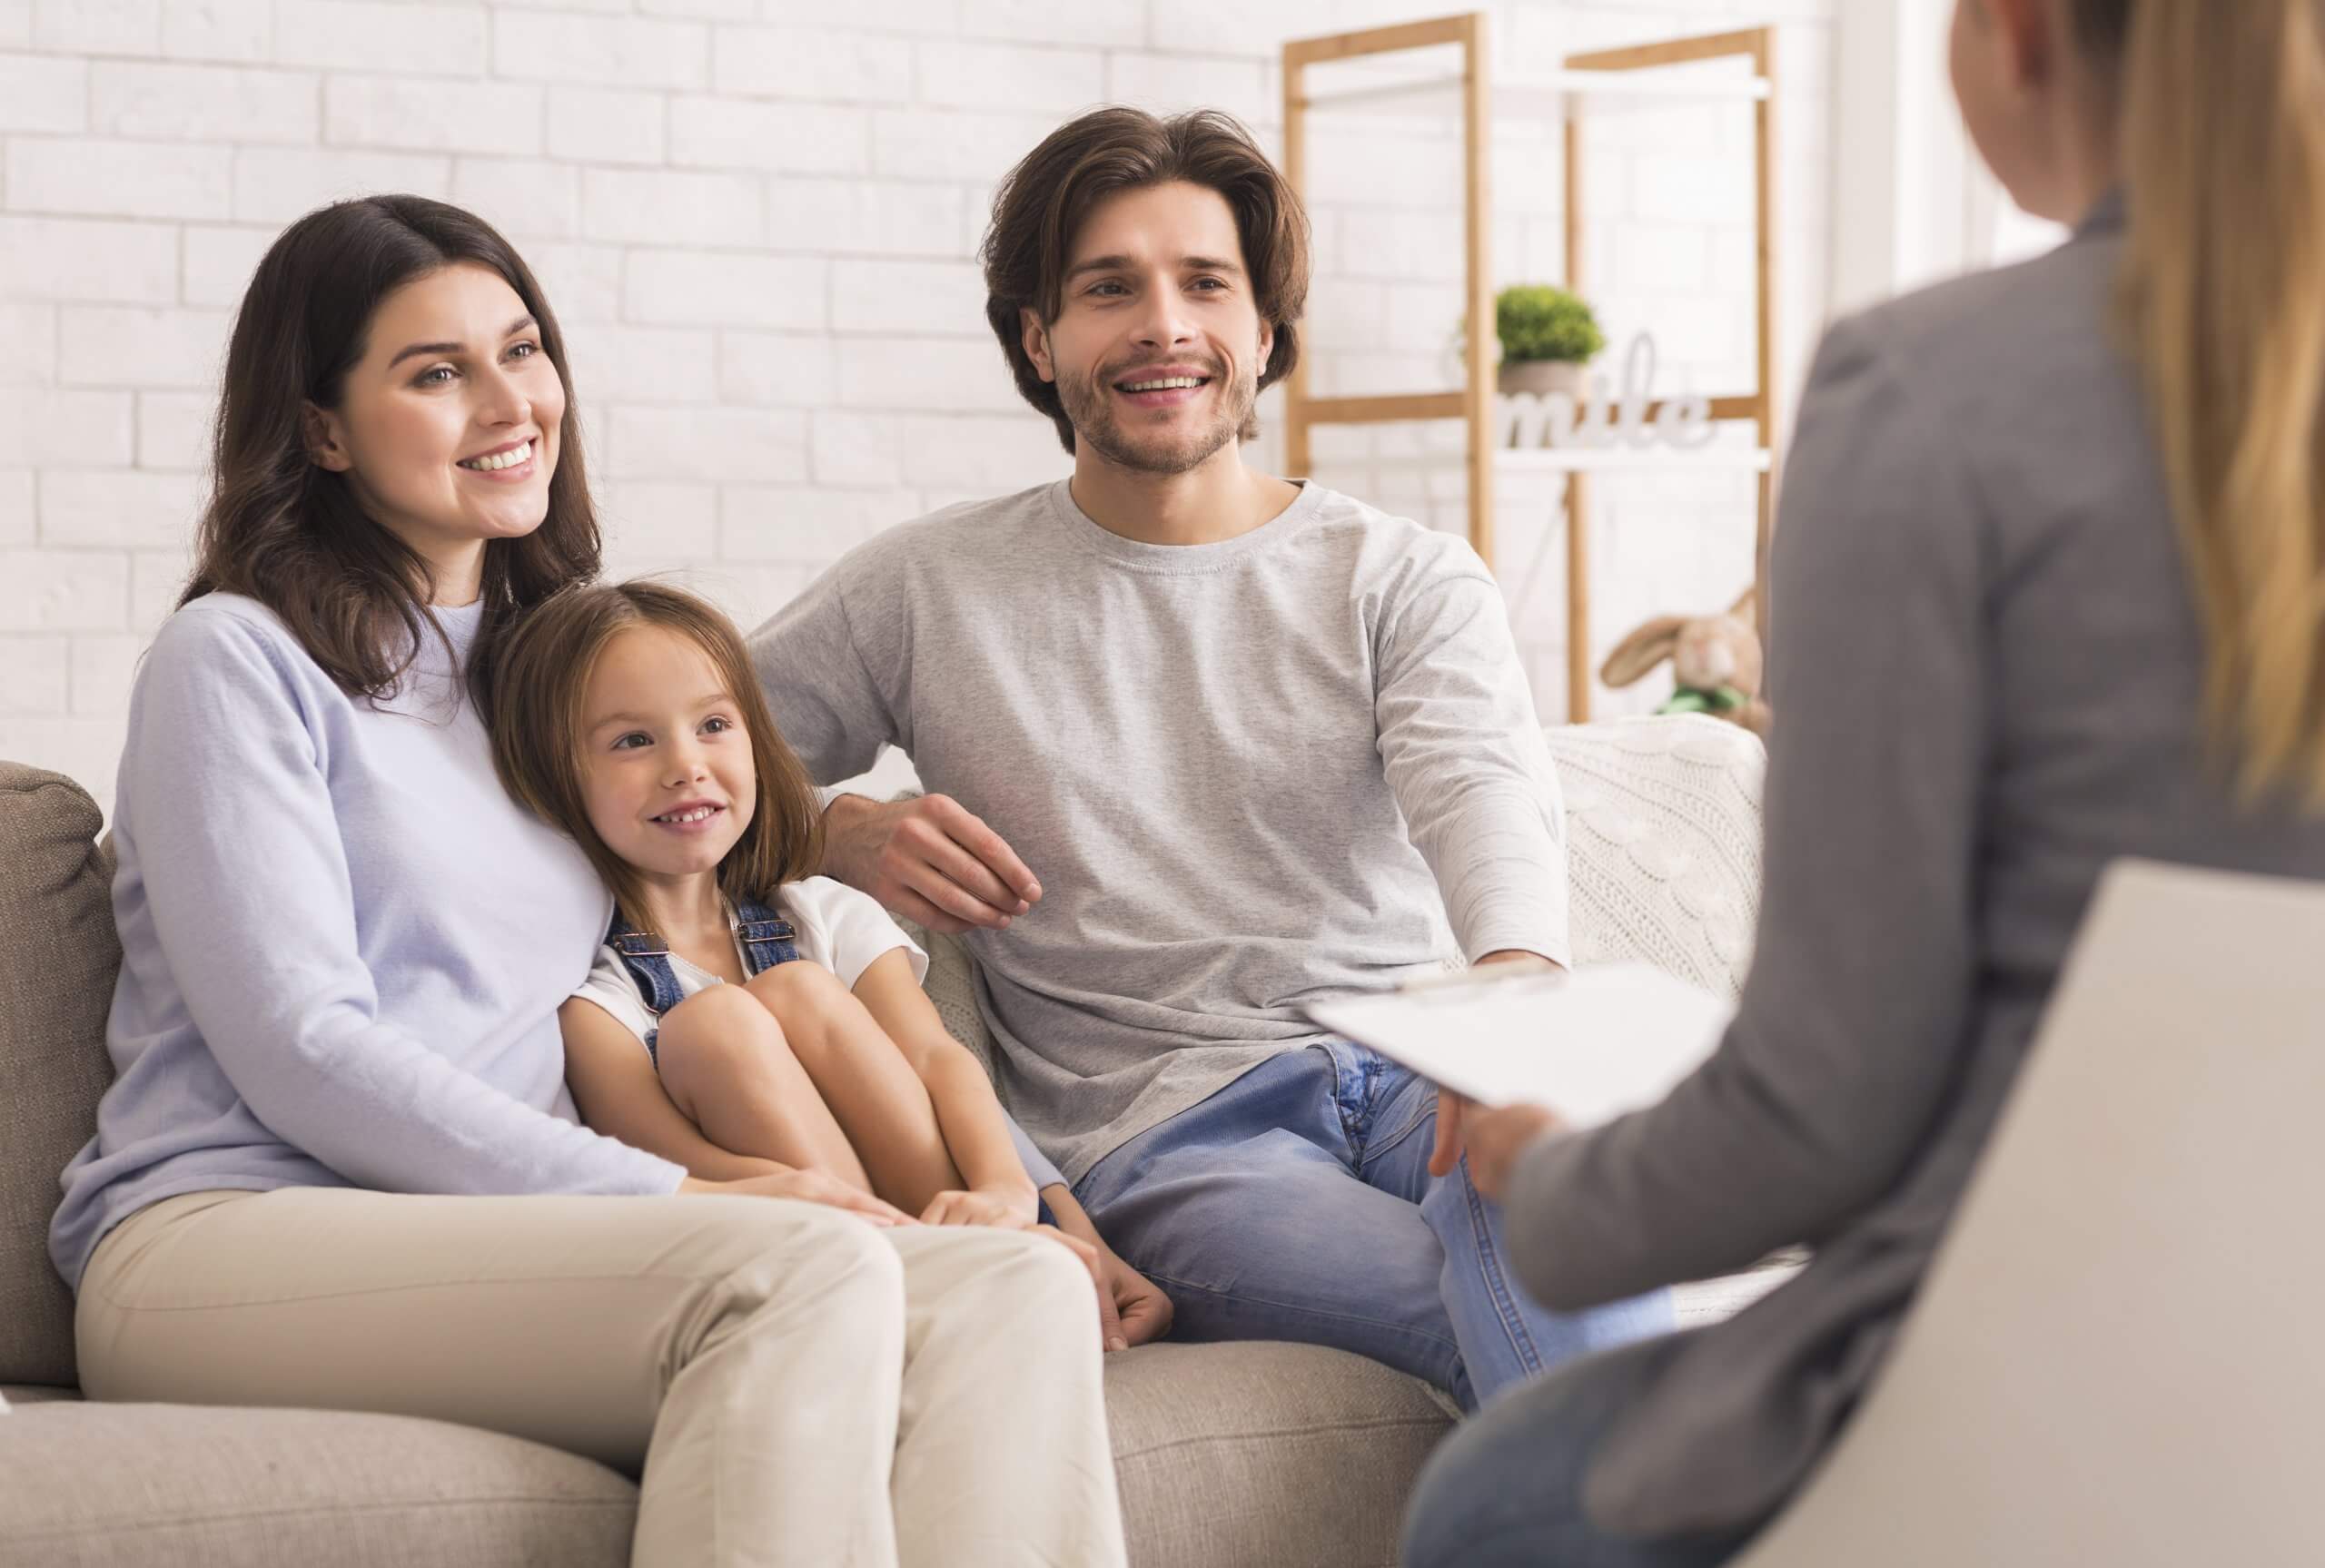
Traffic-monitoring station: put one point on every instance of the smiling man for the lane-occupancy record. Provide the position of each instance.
(1204, 746)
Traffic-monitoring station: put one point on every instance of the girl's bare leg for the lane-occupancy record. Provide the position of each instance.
(871, 1089)
(725, 1062)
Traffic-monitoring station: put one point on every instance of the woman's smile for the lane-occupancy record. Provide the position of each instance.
(507, 463)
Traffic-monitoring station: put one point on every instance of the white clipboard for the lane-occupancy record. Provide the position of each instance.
(1590, 1045)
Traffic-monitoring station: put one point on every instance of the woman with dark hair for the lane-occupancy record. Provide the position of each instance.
(339, 1166)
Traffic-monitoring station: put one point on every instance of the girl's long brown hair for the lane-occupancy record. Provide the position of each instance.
(538, 689)
(2222, 107)
(287, 532)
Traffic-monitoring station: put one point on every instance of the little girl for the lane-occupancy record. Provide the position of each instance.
(740, 1011)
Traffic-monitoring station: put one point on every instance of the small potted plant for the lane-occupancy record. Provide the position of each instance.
(1547, 336)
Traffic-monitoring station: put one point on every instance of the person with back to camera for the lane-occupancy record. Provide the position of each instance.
(2076, 508)
(338, 1167)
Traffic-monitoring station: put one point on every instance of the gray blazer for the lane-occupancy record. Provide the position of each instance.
(1987, 668)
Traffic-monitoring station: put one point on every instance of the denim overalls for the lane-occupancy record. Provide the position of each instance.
(766, 940)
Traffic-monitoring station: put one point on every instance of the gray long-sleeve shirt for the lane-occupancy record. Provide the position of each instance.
(1987, 669)
(1242, 773)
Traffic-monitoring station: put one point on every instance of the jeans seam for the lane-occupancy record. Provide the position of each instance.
(1513, 1325)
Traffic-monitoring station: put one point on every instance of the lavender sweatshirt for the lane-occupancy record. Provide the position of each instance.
(343, 945)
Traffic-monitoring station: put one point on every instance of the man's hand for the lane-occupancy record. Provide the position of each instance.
(928, 860)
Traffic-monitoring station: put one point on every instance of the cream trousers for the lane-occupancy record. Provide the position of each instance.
(796, 1386)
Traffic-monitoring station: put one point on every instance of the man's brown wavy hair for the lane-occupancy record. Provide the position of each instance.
(538, 691)
(286, 531)
(1044, 200)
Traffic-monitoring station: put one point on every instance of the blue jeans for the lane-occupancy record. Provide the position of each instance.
(1296, 1203)
(1505, 1491)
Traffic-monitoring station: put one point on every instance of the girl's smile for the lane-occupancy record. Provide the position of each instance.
(695, 816)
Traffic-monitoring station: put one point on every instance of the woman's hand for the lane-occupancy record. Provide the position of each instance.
(805, 1186)
(1497, 1140)
(1006, 1210)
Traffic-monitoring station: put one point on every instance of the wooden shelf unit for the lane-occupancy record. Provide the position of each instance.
(1474, 403)
(1585, 76)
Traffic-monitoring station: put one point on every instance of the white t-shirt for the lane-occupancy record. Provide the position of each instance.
(837, 926)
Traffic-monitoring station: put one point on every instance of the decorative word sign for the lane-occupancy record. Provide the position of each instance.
(1608, 420)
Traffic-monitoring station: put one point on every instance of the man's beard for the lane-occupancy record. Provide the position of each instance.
(1089, 405)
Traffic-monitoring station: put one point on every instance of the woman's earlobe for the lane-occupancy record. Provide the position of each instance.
(322, 445)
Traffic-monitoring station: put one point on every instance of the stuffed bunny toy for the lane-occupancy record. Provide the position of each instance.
(1715, 660)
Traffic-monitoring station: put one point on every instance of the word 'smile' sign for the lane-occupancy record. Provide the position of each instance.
(1608, 419)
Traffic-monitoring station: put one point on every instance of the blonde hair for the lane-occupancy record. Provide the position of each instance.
(2223, 146)
(541, 683)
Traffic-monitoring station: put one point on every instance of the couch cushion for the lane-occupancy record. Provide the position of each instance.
(1265, 1456)
(191, 1486)
(57, 958)
(1271, 1455)
(15, 1394)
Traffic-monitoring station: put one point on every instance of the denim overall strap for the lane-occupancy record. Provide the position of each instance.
(647, 960)
(766, 936)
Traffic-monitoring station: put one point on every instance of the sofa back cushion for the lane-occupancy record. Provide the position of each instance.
(1663, 844)
(58, 955)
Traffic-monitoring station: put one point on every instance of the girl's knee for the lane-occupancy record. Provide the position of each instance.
(717, 1030)
(798, 988)
(725, 1008)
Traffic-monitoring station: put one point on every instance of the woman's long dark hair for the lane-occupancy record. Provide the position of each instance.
(289, 533)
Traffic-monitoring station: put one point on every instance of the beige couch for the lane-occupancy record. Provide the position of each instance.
(1253, 1454)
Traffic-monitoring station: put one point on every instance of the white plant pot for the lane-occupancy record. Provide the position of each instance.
(1543, 376)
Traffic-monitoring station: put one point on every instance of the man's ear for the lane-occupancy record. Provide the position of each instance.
(1036, 341)
(326, 440)
(1267, 345)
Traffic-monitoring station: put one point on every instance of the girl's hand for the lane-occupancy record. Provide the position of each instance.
(1142, 1311)
(1096, 1259)
(1497, 1140)
(1005, 1211)
(806, 1186)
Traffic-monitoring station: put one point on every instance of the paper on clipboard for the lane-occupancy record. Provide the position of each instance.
(1590, 1045)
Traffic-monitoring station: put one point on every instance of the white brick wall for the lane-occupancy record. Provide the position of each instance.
(757, 219)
